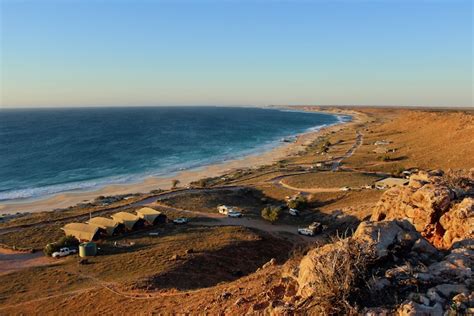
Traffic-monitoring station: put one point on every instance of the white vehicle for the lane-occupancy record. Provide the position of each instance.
(227, 210)
(294, 212)
(345, 189)
(180, 220)
(305, 231)
(63, 252)
(233, 213)
(315, 226)
(222, 209)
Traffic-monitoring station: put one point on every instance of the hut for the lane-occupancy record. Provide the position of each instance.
(106, 225)
(129, 220)
(81, 231)
(151, 216)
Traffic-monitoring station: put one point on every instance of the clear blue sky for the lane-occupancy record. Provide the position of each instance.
(93, 53)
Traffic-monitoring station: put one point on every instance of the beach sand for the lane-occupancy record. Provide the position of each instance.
(63, 200)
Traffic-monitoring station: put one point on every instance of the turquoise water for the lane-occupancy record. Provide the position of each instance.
(47, 151)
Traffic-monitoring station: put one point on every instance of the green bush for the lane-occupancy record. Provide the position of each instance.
(175, 183)
(298, 202)
(66, 241)
(271, 213)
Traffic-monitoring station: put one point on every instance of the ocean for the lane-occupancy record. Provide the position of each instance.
(47, 151)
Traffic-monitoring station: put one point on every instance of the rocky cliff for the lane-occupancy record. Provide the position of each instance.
(414, 257)
(440, 206)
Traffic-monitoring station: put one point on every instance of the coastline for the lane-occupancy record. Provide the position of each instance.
(66, 199)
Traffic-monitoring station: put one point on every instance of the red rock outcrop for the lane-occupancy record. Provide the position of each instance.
(432, 204)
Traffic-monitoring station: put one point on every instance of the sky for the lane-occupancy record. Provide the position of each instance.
(143, 52)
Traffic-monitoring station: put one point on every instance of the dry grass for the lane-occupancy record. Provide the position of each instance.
(331, 180)
(148, 264)
(422, 139)
(337, 277)
(249, 201)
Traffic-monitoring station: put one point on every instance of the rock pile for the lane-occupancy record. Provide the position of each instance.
(387, 267)
(441, 209)
(415, 256)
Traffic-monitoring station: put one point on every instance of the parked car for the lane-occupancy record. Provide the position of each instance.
(305, 231)
(315, 227)
(63, 252)
(294, 212)
(345, 189)
(180, 220)
(222, 209)
(233, 213)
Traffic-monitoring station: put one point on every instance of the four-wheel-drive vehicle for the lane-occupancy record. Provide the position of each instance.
(233, 213)
(306, 231)
(315, 227)
(180, 220)
(294, 212)
(63, 252)
(222, 209)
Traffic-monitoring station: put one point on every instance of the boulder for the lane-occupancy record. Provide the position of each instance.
(457, 265)
(427, 202)
(423, 246)
(414, 309)
(448, 290)
(384, 235)
(458, 223)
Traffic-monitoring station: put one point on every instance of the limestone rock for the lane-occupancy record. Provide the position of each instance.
(414, 309)
(427, 202)
(423, 246)
(383, 235)
(458, 223)
(449, 290)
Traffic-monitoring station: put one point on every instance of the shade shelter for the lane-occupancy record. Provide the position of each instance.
(81, 231)
(107, 225)
(151, 216)
(130, 221)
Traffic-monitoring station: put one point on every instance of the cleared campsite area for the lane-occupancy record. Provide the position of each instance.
(331, 180)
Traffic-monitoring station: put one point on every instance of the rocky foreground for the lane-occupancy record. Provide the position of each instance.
(414, 257)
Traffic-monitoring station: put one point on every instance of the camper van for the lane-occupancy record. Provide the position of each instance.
(224, 210)
(229, 211)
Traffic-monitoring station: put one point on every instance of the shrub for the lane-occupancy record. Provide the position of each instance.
(298, 202)
(202, 183)
(174, 183)
(66, 241)
(271, 213)
(338, 277)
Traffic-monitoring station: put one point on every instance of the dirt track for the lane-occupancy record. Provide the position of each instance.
(13, 260)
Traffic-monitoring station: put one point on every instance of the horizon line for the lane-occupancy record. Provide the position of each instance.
(238, 105)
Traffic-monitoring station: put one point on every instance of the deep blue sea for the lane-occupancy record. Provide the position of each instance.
(47, 151)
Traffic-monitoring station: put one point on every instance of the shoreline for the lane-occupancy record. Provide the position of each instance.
(66, 199)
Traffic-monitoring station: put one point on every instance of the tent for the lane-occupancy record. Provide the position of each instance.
(151, 216)
(129, 220)
(82, 232)
(109, 226)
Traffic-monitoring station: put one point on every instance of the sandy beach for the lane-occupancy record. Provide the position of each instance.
(67, 199)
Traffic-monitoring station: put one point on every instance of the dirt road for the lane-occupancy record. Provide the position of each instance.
(13, 260)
